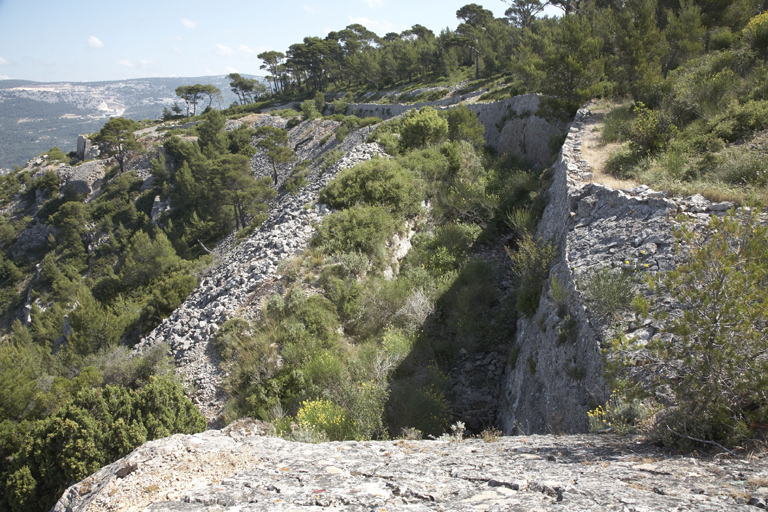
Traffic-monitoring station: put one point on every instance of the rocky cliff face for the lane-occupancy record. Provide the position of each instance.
(239, 470)
(510, 125)
(556, 376)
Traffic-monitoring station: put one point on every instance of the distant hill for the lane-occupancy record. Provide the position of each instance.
(36, 116)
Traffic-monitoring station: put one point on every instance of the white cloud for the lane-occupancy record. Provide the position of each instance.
(376, 26)
(224, 50)
(139, 64)
(247, 49)
(232, 70)
(309, 9)
(188, 23)
(373, 4)
(95, 42)
(3, 62)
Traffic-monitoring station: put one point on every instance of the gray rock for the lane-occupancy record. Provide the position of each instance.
(238, 470)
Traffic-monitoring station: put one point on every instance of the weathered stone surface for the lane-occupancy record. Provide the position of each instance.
(31, 239)
(83, 179)
(85, 149)
(238, 470)
(555, 382)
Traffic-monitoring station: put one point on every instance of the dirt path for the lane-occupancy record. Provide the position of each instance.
(596, 152)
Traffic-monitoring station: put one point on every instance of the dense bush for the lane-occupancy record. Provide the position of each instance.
(608, 292)
(377, 182)
(97, 427)
(422, 127)
(362, 229)
(464, 125)
(717, 355)
(531, 261)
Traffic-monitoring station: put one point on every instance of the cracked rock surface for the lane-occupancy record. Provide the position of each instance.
(239, 470)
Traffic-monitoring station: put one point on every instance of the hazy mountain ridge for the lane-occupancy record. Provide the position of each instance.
(35, 116)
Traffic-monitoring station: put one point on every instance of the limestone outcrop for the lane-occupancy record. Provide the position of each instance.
(85, 148)
(554, 382)
(239, 470)
(511, 125)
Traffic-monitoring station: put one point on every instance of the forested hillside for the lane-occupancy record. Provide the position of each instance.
(363, 331)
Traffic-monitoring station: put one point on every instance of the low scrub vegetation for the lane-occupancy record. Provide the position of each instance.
(370, 354)
(714, 362)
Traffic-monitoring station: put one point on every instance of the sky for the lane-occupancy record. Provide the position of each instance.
(89, 40)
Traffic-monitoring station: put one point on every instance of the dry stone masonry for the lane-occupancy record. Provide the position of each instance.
(511, 125)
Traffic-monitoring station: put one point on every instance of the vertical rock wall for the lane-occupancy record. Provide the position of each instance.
(554, 374)
(511, 125)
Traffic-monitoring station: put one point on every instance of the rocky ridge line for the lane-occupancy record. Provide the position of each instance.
(238, 271)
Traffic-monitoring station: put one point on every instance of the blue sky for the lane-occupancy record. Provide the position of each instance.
(88, 40)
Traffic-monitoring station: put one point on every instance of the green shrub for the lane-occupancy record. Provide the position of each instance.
(567, 330)
(377, 182)
(422, 127)
(363, 229)
(319, 100)
(97, 427)
(315, 314)
(620, 415)
(622, 164)
(756, 33)
(650, 131)
(740, 120)
(721, 39)
(616, 123)
(531, 261)
(521, 220)
(309, 110)
(741, 166)
(330, 159)
(298, 178)
(463, 124)
(340, 105)
(57, 155)
(716, 354)
(608, 292)
(447, 250)
(378, 303)
(420, 403)
(229, 338)
(327, 418)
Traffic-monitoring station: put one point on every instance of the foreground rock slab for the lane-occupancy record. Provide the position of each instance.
(238, 470)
